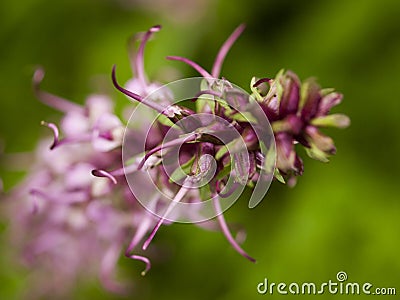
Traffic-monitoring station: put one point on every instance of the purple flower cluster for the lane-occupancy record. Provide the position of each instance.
(62, 210)
(296, 111)
(76, 198)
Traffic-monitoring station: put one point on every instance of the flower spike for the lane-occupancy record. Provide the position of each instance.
(92, 218)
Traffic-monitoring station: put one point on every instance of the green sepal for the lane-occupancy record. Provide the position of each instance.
(279, 176)
(335, 120)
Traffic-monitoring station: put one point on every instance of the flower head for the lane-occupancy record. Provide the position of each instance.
(295, 112)
(78, 190)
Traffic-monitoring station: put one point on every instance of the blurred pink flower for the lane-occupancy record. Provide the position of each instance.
(68, 206)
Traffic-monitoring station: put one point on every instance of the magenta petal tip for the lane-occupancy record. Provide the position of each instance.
(38, 76)
(155, 28)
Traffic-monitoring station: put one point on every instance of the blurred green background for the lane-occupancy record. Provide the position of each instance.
(341, 216)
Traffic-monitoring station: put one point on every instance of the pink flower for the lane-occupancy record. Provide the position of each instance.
(75, 211)
(62, 209)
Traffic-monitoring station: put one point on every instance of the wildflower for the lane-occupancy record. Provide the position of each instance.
(295, 114)
(185, 164)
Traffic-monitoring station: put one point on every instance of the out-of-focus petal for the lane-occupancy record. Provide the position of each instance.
(134, 85)
(79, 176)
(107, 133)
(98, 105)
(74, 124)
